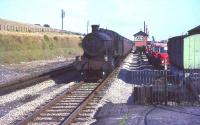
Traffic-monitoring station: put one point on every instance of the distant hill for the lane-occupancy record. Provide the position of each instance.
(9, 22)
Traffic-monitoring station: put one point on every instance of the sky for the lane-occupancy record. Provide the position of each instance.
(164, 18)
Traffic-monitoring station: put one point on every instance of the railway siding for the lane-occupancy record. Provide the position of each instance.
(37, 77)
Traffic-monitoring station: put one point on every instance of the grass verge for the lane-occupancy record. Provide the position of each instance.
(23, 47)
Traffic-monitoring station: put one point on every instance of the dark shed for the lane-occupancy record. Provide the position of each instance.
(195, 30)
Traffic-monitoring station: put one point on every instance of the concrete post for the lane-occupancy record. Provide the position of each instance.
(7, 27)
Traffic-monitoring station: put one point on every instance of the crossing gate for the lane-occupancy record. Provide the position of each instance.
(163, 87)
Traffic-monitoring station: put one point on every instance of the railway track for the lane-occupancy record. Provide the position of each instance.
(72, 106)
(35, 78)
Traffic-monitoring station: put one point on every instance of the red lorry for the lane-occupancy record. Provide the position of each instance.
(157, 55)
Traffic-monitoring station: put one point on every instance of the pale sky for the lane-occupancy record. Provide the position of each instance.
(165, 18)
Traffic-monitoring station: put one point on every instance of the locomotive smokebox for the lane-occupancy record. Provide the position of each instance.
(95, 28)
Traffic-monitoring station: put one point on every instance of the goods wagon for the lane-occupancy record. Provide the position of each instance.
(184, 51)
(184, 56)
(103, 49)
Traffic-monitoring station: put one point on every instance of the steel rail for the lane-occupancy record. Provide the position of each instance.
(45, 107)
(74, 114)
(82, 87)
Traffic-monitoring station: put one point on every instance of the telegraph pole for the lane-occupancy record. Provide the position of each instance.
(62, 16)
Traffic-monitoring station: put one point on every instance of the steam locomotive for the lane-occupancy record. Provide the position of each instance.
(103, 49)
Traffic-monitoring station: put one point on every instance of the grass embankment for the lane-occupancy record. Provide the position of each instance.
(23, 47)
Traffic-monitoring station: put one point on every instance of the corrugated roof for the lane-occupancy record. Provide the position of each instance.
(140, 33)
(194, 29)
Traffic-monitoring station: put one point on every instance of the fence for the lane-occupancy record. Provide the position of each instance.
(162, 87)
(24, 28)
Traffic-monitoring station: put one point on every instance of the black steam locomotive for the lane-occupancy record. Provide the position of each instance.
(102, 51)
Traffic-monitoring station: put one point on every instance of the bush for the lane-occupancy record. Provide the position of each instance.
(55, 38)
(80, 45)
(46, 25)
(46, 38)
(51, 46)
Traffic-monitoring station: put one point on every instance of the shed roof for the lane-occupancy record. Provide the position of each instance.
(195, 30)
(140, 33)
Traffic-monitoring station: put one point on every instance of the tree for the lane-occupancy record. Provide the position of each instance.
(46, 25)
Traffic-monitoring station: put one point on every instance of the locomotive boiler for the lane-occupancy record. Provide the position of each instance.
(103, 49)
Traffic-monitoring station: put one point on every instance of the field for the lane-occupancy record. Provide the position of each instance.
(16, 47)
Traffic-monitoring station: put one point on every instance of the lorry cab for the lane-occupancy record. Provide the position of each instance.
(159, 55)
(163, 56)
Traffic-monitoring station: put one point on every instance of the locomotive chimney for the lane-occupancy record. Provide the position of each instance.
(95, 28)
(144, 27)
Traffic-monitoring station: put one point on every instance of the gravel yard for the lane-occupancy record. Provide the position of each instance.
(117, 105)
(120, 91)
(15, 71)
